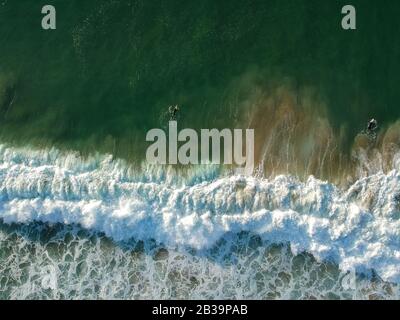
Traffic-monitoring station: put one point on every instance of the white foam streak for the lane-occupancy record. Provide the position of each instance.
(358, 228)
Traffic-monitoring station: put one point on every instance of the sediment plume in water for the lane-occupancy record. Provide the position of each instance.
(293, 135)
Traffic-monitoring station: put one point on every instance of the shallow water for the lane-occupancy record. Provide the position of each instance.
(211, 230)
(61, 262)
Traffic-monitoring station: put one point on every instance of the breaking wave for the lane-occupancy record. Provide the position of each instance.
(357, 228)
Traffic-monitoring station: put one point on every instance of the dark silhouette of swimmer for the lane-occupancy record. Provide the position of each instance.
(173, 111)
(372, 126)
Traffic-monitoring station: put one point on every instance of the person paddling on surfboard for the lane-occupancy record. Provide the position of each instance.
(173, 111)
(372, 127)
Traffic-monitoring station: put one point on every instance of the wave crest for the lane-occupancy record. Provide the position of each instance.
(358, 228)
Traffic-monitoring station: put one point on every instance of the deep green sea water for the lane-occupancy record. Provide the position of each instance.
(322, 208)
(112, 68)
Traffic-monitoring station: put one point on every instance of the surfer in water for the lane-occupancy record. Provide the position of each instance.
(372, 127)
(173, 112)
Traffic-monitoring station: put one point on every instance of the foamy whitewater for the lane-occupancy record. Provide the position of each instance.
(358, 228)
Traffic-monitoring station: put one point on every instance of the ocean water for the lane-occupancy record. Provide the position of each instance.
(83, 216)
(96, 228)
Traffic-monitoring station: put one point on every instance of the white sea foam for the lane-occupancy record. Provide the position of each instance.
(358, 228)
